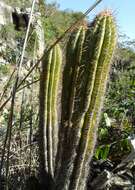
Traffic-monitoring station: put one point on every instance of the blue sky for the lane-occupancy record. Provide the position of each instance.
(124, 11)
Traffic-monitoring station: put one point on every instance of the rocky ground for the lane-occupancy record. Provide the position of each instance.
(106, 176)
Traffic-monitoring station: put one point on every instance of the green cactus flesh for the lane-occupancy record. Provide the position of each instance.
(70, 79)
(49, 81)
(55, 93)
(43, 96)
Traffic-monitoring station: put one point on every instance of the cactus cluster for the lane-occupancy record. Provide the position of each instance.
(66, 149)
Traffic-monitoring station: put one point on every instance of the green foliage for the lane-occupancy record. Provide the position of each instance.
(102, 152)
(4, 69)
(119, 149)
(18, 3)
(56, 21)
(11, 43)
(121, 86)
(7, 32)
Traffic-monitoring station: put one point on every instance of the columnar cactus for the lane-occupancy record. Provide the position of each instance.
(88, 59)
(85, 76)
(48, 122)
(105, 27)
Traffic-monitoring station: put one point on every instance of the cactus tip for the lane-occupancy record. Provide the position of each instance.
(106, 12)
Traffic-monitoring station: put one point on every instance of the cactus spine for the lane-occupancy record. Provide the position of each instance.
(48, 122)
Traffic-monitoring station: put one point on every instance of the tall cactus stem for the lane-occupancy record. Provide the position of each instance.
(50, 113)
(48, 121)
(74, 54)
(88, 137)
(55, 93)
(43, 95)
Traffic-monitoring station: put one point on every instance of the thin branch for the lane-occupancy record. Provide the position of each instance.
(7, 85)
(26, 37)
(10, 120)
(29, 84)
